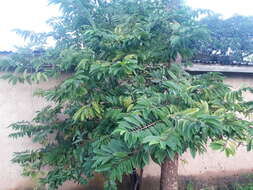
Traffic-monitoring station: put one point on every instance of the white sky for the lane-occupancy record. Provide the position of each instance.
(32, 15)
(225, 7)
(22, 14)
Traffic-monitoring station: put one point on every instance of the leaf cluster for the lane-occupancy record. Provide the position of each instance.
(230, 39)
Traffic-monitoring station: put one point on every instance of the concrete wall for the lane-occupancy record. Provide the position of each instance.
(17, 103)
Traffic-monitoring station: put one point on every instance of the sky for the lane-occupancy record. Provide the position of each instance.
(226, 7)
(23, 14)
(33, 14)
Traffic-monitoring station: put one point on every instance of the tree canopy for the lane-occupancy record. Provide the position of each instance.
(230, 39)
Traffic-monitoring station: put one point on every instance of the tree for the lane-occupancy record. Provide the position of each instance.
(125, 100)
(230, 39)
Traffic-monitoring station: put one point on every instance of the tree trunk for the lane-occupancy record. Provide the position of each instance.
(140, 182)
(136, 179)
(169, 174)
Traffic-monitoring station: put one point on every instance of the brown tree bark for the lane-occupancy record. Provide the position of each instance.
(169, 174)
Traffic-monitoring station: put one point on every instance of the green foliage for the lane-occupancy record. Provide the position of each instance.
(230, 39)
(244, 187)
(123, 100)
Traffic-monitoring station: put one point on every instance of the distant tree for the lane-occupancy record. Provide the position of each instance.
(124, 100)
(230, 39)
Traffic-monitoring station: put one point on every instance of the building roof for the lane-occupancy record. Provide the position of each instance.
(203, 67)
(211, 62)
(226, 65)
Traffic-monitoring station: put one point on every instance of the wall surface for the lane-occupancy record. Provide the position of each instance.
(17, 103)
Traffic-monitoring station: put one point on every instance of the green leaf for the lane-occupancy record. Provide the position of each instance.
(132, 120)
(249, 145)
(151, 140)
(190, 111)
(218, 145)
(193, 152)
(172, 75)
(120, 154)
